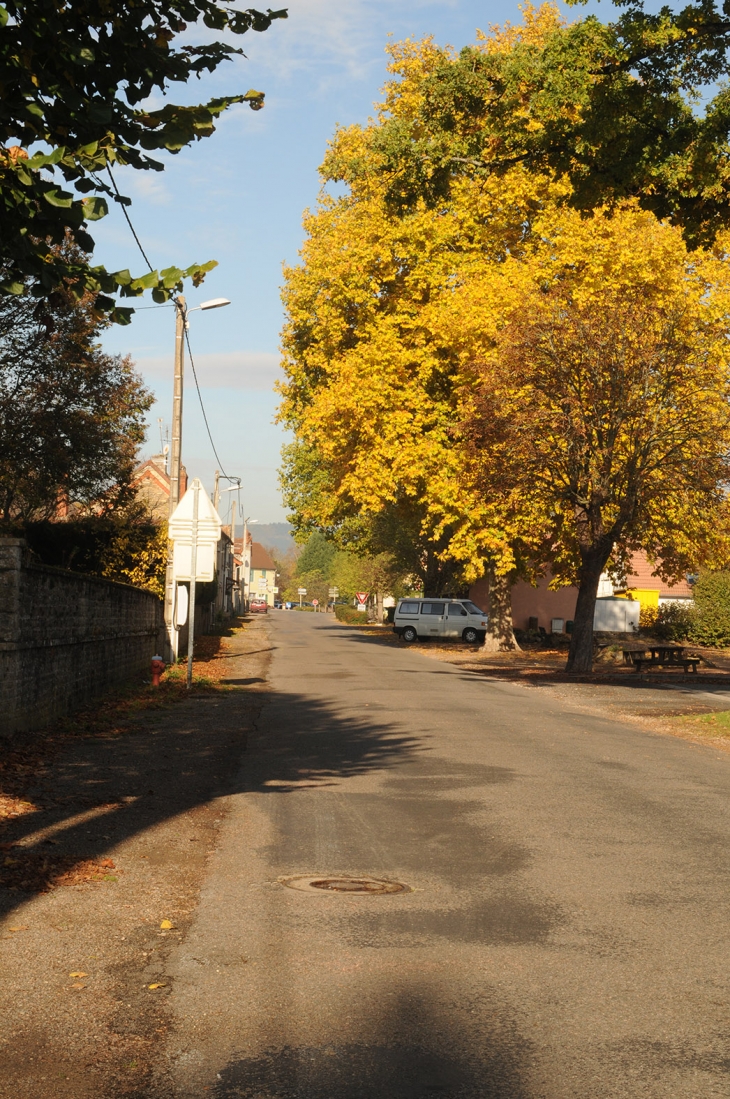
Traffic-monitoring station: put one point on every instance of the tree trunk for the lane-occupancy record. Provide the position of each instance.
(500, 634)
(379, 604)
(580, 656)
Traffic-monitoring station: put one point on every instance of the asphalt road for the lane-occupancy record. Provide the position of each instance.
(567, 926)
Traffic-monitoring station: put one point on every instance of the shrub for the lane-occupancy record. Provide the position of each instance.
(648, 618)
(711, 620)
(351, 615)
(673, 622)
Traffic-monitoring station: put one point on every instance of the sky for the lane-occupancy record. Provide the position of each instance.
(238, 197)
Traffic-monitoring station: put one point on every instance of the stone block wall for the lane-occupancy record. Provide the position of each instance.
(66, 638)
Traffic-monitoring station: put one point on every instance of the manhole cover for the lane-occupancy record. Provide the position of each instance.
(309, 884)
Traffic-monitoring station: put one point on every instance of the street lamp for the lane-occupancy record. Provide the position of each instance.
(181, 324)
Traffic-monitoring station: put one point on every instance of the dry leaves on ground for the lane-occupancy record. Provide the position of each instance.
(39, 871)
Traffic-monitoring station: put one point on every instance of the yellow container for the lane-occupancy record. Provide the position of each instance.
(648, 597)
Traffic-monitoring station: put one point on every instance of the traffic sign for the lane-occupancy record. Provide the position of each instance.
(362, 597)
(301, 591)
(315, 602)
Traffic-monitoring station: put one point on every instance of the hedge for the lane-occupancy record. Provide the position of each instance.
(351, 615)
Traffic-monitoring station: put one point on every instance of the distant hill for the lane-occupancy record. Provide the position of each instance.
(274, 535)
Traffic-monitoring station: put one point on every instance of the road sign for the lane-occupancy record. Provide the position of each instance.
(362, 597)
(315, 602)
(301, 591)
(207, 529)
(334, 592)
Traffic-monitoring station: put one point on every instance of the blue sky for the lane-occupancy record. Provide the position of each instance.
(238, 197)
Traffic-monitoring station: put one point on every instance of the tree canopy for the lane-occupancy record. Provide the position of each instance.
(71, 417)
(613, 108)
(75, 79)
(600, 403)
(374, 374)
(405, 318)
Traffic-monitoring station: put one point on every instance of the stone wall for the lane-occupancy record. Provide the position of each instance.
(66, 638)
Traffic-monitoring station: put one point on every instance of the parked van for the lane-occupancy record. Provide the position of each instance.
(416, 619)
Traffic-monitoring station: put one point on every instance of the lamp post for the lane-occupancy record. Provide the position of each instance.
(181, 324)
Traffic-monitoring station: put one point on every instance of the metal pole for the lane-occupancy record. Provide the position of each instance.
(175, 455)
(193, 570)
(233, 551)
(245, 565)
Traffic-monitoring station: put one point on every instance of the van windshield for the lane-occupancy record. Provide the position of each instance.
(471, 607)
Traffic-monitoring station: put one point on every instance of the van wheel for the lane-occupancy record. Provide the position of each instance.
(409, 634)
(470, 635)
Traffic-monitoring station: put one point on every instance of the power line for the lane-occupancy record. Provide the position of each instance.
(224, 475)
(127, 217)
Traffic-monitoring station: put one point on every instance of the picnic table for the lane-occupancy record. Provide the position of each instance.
(661, 656)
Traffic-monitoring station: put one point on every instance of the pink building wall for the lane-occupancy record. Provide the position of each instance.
(529, 602)
(541, 603)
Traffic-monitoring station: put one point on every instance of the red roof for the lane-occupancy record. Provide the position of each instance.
(642, 576)
(260, 559)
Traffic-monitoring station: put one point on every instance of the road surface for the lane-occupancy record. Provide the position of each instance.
(565, 933)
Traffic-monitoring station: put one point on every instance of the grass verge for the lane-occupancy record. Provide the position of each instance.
(715, 724)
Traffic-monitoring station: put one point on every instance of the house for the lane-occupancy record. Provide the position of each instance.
(537, 606)
(262, 575)
(151, 482)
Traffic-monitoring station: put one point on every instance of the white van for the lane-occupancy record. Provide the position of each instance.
(447, 618)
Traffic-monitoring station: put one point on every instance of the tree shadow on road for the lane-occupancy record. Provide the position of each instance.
(417, 1048)
(99, 791)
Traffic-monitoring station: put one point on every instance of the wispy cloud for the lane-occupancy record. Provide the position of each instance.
(224, 370)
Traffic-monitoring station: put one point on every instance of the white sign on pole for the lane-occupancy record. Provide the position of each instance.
(301, 591)
(181, 605)
(181, 536)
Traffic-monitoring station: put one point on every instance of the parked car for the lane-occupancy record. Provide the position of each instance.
(451, 619)
(258, 606)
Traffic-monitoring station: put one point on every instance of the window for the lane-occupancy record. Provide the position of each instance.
(456, 610)
(408, 608)
(472, 607)
(432, 608)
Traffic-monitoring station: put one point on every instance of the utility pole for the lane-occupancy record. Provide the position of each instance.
(177, 403)
(175, 456)
(233, 550)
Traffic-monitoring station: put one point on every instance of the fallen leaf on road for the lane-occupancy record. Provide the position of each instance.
(160, 984)
(109, 863)
(22, 927)
(167, 925)
(78, 986)
(78, 974)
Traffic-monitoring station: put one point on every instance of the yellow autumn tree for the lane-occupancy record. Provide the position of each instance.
(373, 373)
(600, 397)
(413, 349)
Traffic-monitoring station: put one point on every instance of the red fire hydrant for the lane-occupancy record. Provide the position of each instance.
(158, 667)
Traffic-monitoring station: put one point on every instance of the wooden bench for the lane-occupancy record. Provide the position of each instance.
(687, 663)
(662, 656)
